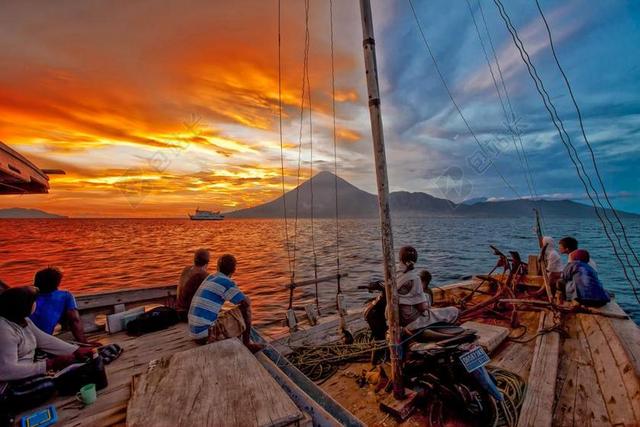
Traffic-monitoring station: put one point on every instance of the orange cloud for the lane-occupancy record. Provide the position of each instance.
(176, 106)
(348, 135)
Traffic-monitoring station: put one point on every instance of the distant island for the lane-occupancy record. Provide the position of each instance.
(356, 203)
(27, 213)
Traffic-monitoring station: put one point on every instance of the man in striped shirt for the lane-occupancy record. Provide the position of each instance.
(209, 299)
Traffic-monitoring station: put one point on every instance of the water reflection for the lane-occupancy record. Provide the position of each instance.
(107, 254)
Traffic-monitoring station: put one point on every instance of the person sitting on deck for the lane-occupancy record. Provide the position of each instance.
(205, 325)
(425, 278)
(581, 283)
(20, 337)
(554, 265)
(190, 279)
(415, 307)
(567, 245)
(55, 306)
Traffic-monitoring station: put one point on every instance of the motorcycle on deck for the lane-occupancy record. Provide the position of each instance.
(441, 363)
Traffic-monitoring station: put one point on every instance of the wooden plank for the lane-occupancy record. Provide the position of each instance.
(537, 408)
(609, 377)
(625, 366)
(319, 415)
(589, 408)
(328, 402)
(218, 383)
(489, 336)
(567, 379)
(109, 299)
(514, 356)
(628, 334)
(534, 265)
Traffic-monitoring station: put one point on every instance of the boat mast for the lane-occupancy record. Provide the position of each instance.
(388, 254)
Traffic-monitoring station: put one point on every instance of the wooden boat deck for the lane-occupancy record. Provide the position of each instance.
(111, 406)
(589, 377)
(219, 383)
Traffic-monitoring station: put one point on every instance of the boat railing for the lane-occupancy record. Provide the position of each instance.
(94, 307)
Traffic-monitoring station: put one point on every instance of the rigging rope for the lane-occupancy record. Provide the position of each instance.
(313, 236)
(284, 199)
(507, 97)
(305, 71)
(584, 134)
(559, 125)
(455, 104)
(502, 104)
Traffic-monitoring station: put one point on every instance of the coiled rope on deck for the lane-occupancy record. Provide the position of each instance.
(513, 388)
(319, 362)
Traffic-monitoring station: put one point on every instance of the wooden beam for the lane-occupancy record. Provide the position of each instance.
(318, 414)
(109, 299)
(576, 309)
(314, 281)
(537, 407)
(382, 180)
(238, 393)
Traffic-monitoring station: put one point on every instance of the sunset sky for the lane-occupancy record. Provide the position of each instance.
(156, 107)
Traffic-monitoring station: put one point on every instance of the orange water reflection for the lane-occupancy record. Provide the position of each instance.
(107, 254)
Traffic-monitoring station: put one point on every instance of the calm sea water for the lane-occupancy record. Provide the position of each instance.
(111, 254)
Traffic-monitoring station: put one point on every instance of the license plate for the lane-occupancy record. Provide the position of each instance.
(474, 359)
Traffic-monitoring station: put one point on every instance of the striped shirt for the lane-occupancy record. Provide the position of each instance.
(207, 302)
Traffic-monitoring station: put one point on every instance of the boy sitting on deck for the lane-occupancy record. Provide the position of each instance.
(55, 306)
(205, 325)
(580, 281)
(567, 245)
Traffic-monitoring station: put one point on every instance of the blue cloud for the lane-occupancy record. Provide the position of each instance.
(596, 44)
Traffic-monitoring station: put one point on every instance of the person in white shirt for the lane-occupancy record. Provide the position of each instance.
(19, 339)
(415, 306)
(553, 262)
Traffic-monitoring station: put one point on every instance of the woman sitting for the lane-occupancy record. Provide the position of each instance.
(19, 339)
(415, 306)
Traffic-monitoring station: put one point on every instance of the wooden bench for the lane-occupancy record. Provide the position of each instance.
(216, 384)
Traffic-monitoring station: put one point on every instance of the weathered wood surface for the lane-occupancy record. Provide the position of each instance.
(327, 330)
(628, 334)
(489, 336)
(216, 384)
(537, 408)
(109, 299)
(517, 356)
(319, 416)
(608, 373)
(579, 400)
(110, 408)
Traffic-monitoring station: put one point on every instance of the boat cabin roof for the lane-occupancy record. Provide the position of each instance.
(18, 175)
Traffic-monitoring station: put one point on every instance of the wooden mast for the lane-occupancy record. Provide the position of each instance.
(391, 290)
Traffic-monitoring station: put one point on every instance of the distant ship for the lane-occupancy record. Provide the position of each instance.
(202, 215)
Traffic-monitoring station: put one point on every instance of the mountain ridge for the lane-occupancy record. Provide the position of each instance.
(16, 213)
(356, 203)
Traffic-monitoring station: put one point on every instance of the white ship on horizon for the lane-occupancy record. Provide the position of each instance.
(204, 215)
